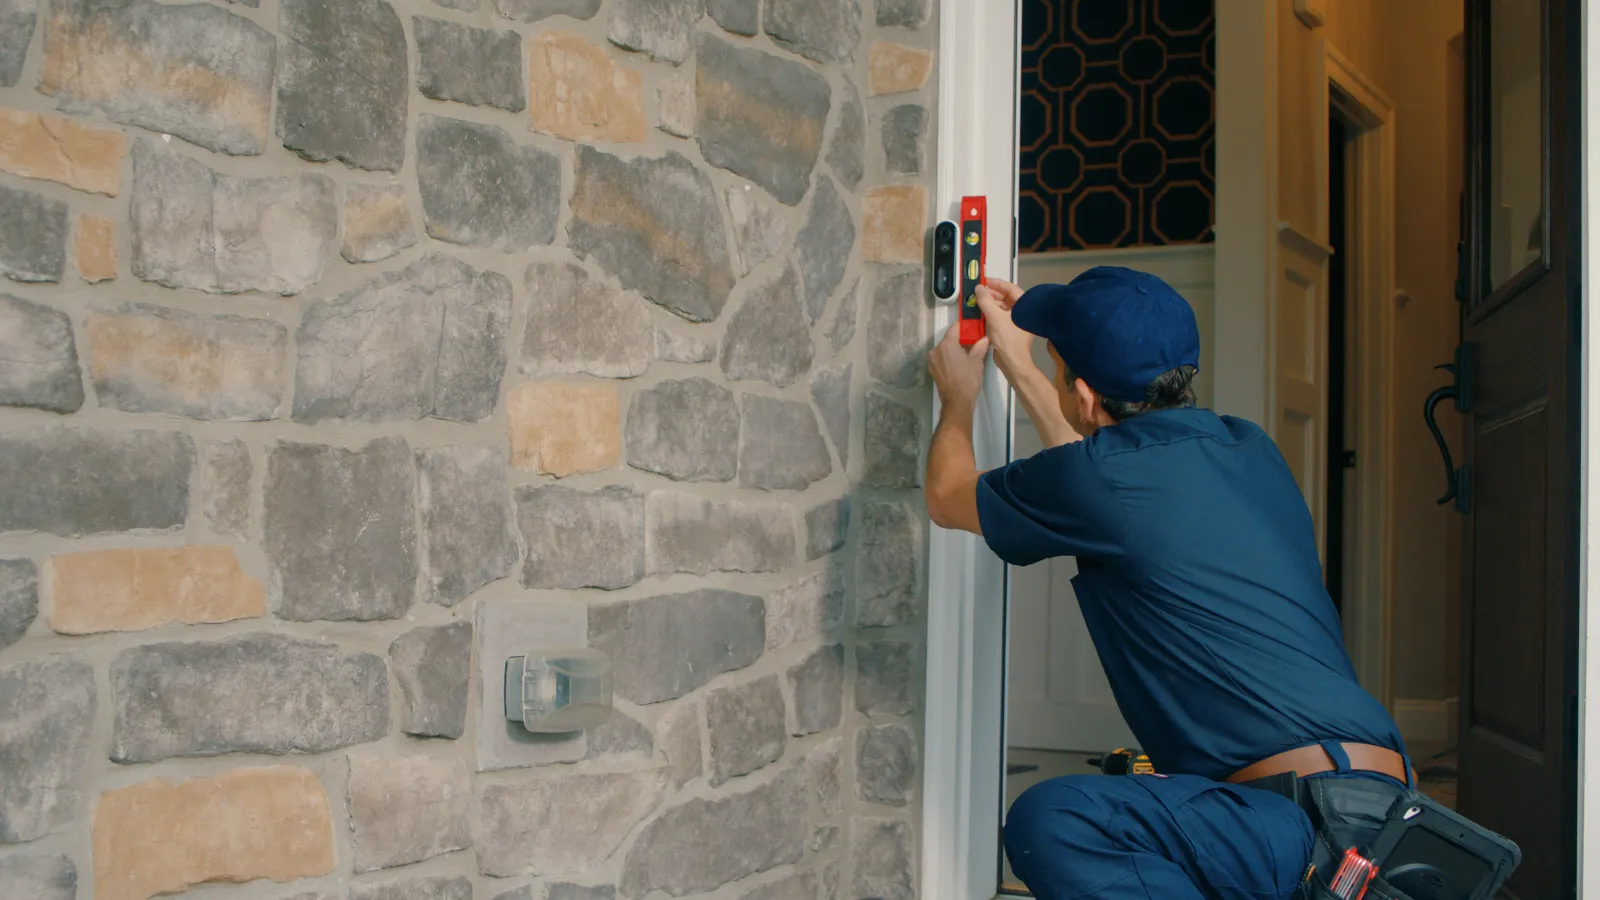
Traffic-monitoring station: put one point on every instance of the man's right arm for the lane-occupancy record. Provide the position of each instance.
(1013, 356)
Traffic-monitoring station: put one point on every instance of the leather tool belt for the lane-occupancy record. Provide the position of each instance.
(1314, 760)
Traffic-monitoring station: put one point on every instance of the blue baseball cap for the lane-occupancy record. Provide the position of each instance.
(1117, 329)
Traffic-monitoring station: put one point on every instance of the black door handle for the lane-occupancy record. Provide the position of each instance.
(1455, 479)
(1452, 488)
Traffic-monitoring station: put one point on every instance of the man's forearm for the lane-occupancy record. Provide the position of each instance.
(951, 485)
(1038, 397)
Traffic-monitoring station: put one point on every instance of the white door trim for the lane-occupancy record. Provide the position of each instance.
(1589, 518)
(1368, 612)
(963, 756)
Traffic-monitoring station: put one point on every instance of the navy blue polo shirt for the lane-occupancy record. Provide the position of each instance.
(1199, 581)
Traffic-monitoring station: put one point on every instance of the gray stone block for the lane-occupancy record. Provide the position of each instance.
(684, 533)
(827, 524)
(675, 104)
(824, 31)
(809, 609)
(33, 236)
(579, 324)
(508, 628)
(736, 16)
(757, 830)
(19, 599)
(408, 809)
(225, 477)
(888, 564)
(662, 29)
(847, 152)
(581, 539)
(620, 737)
(830, 390)
(840, 328)
(683, 348)
(340, 530)
(433, 666)
(780, 446)
(759, 229)
(259, 692)
(121, 61)
(445, 325)
(893, 444)
(231, 369)
(882, 857)
(470, 6)
(828, 880)
(653, 223)
(476, 66)
(794, 886)
(687, 430)
(77, 481)
(526, 892)
(898, 335)
(824, 838)
(886, 764)
(759, 115)
(481, 189)
(905, 132)
(911, 14)
(678, 734)
(196, 228)
(664, 647)
(884, 678)
(414, 888)
(17, 21)
(469, 536)
(823, 768)
(817, 683)
(824, 246)
(567, 891)
(768, 338)
(38, 877)
(342, 88)
(534, 10)
(377, 222)
(745, 723)
(47, 715)
(564, 824)
(38, 357)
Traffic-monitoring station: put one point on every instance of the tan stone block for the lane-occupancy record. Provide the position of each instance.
(560, 428)
(893, 220)
(153, 359)
(576, 91)
(57, 149)
(159, 837)
(95, 246)
(130, 590)
(896, 68)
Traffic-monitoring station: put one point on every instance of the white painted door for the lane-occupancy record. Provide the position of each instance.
(1057, 697)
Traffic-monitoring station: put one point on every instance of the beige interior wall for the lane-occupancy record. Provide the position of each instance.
(1404, 48)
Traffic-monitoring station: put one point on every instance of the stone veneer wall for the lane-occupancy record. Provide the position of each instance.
(348, 347)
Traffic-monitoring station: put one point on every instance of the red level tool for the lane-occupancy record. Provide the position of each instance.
(974, 238)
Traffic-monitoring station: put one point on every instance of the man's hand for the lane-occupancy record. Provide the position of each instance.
(957, 371)
(1013, 347)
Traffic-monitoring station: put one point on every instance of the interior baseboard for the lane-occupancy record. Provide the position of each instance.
(1431, 721)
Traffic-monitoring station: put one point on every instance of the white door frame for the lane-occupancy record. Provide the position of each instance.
(964, 721)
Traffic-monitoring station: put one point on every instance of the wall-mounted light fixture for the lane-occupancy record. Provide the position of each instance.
(558, 690)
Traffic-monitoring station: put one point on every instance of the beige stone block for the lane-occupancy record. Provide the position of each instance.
(578, 92)
(159, 837)
(94, 243)
(58, 149)
(896, 68)
(893, 221)
(130, 590)
(560, 428)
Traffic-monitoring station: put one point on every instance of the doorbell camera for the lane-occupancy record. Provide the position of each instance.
(945, 275)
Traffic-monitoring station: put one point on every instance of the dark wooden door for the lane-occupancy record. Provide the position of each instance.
(1519, 481)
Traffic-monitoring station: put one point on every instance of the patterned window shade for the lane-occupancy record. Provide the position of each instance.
(1118, 123)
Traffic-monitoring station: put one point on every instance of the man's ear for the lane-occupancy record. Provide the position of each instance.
(1088, 400)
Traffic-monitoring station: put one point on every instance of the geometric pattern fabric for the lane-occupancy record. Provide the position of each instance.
(1118, 123)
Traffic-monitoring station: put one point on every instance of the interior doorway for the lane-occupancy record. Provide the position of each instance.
(1340, 457)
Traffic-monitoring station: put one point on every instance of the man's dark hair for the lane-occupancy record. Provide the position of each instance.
(1172, 389)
